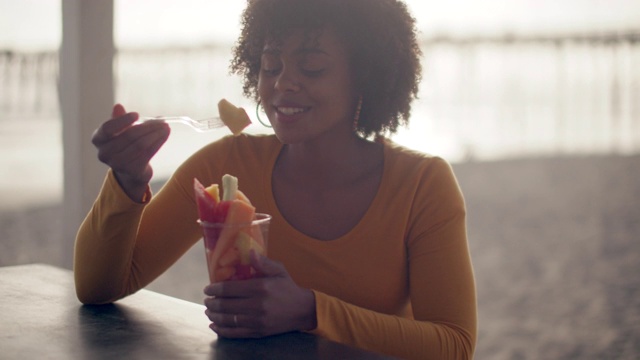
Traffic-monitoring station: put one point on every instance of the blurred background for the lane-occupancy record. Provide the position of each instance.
(535, 103)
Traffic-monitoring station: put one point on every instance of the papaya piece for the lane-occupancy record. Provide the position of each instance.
(238, 218)
(223, 273)
(230, 258)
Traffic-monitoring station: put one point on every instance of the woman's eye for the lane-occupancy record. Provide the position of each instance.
(270, 64)
(270, 70)
(312, 66)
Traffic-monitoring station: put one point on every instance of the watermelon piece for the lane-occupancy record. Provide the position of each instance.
(205, 201)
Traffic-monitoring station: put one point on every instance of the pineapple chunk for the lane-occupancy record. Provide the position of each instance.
(214, 191)
(244, 244)
(235, 118)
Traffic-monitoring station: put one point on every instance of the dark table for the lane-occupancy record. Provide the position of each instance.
(41, 318)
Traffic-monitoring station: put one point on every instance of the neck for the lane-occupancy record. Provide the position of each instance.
(338, 160)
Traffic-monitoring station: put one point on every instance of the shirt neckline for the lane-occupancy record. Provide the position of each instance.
(272, 204)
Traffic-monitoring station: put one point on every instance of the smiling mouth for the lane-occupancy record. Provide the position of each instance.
(289, 111)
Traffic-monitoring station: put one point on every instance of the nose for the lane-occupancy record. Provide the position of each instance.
(287, 81)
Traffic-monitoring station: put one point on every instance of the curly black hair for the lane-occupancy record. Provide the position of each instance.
(380, 36)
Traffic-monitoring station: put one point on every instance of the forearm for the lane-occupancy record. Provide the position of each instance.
(389, 334)
(105, 245)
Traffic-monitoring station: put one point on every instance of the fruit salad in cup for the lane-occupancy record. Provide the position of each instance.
(231, 230)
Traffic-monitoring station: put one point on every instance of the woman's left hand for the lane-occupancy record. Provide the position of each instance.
(266, 305)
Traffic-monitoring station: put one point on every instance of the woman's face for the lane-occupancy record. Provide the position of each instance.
(305, 87)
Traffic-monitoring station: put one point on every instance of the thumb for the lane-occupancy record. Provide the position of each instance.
(265, 266)
(118, 110)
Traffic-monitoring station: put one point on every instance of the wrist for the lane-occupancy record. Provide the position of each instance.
(309, 321)
(135, 188)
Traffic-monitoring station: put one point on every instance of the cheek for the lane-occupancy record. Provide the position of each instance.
(264, 95)
(341, 97)
(265, 85)
(261, 86)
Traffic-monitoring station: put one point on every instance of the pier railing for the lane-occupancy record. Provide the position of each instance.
(482, 96)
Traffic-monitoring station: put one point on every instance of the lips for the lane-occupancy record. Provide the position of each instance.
(290, 112)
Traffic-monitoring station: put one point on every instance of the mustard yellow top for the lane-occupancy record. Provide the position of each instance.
(400, 282)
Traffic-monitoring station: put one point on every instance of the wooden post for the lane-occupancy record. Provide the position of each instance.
(86, 96)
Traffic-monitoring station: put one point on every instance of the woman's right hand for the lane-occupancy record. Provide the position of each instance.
(127, 149)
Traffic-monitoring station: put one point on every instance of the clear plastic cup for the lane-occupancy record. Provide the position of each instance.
(228, 246)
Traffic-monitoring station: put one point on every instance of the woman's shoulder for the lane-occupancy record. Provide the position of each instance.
(425, 179)
(401, 157)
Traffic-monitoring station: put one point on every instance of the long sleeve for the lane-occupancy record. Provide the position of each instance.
(401, 283)
(442, 293)
(104, 244)
(122, 246)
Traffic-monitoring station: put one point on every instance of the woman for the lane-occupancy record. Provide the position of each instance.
(368, 239)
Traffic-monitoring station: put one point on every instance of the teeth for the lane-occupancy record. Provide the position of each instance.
(290, 110)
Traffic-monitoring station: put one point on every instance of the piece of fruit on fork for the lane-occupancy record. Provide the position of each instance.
(234, 117)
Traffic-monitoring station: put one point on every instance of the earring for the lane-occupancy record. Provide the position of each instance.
(356, 116)
(258, 116)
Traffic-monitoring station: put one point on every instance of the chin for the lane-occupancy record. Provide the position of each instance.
(288, 138)
(289, 134)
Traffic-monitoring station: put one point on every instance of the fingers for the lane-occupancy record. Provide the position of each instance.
(235, 306)
(228, 320)
(141, 141)
(231, 320)
(252, 307)
(113, 127)
(249, 287)
(235, 325)
(237, 317)
(234, 319)
(129, 150)
(237, 288)
(118, 110)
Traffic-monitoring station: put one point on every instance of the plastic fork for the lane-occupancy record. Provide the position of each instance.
(200, 125)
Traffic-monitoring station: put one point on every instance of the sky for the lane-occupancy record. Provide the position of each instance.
(167, 22)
